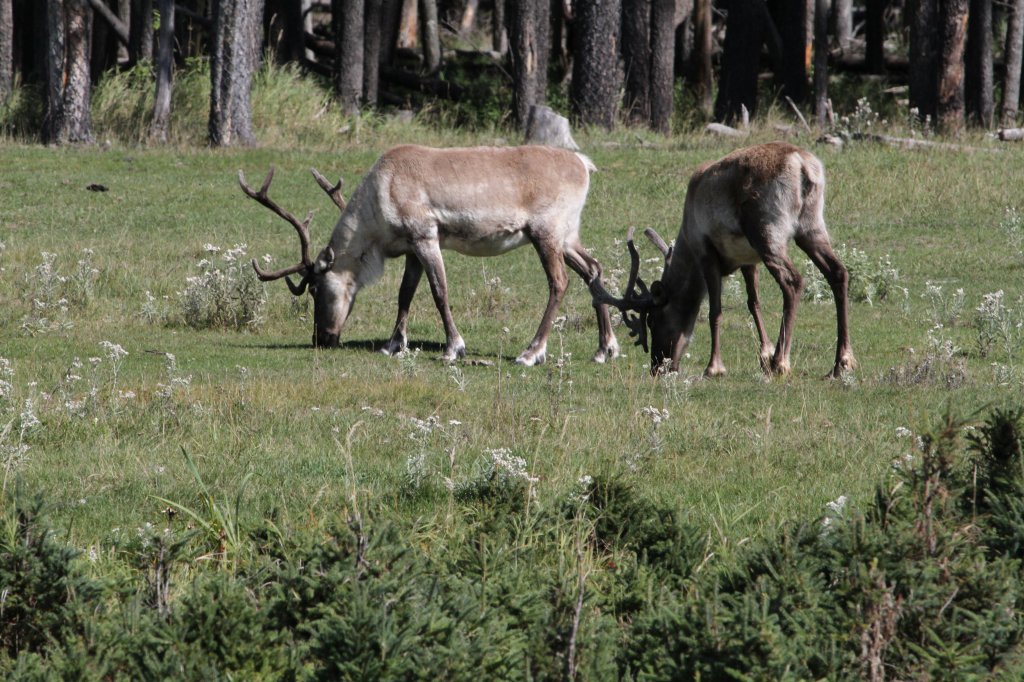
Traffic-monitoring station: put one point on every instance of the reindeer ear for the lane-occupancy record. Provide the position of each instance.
(324, 261)
(658, 297)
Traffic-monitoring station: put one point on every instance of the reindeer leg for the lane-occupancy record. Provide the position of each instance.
(554, 267)
(410, 280)
(428, 251)
(820, 252)
(792, 284)
(754, 306)
(584, 265)
(713, 280)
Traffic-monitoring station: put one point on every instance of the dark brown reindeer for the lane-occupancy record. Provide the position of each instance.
(416, 201)
(741, 210)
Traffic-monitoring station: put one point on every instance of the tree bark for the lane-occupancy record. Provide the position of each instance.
(234, 58)
(842, 22)
(702, 46)
(978, 76)
(636, 58)
(430, 36)
(499, 38)
(140, 35)
(737, 79)
(596, 72)
(874, 33)
(1012, 77)
(951, 69)
(66, 116)
(663, 47)
(923, 56)
(821, 62)
(164, 73)
(373, 17)
(6, 50)
(528, 47)
(349, 30)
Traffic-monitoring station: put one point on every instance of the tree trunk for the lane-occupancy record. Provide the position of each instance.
(874, 32)
(391, 20)
(951, 66)
(737, 79)
(140, 40)
(636, 57)
(6, 50)
(1014, 50)
(596, 71)
(528, 47)
(53, 107)
(430, 36)
(923, 56)
(66, 116)
(842, 22)
(164, 73)
(821, 62)
(373, 17)
(663, 47)
(792, 23)
(702, 46)
(499, 38)
(408, 25)
(124, 13)
(234, 58)
(978, 76)
(349, 29)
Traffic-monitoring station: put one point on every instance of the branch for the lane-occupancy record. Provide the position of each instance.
(115, 22)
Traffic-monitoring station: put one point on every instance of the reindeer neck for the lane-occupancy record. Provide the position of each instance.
(684, 282)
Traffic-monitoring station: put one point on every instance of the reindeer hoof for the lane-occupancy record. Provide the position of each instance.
(531, 358)
(394, 346)
(605, 354)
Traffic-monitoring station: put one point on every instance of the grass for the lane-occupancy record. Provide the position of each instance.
(738, 456)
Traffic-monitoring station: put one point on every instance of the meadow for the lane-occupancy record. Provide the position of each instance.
(136, 396)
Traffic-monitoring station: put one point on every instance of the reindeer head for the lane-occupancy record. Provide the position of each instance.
(333, 294)
(644, 308)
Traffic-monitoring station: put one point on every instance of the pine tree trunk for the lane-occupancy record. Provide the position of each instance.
(596, 72)
(285, 30)
(821, 62)
(636, 57)
(348, 40)
(235, 54)
(6, 50)
(702, 46)
(53, 106)
(923, 56)
(951, 66)
(1012, 78)
(663, 47)
(430, 36)
(164, 73)
(528, 27)
(77, 118)
(842, 22)
(737, 79)
(499, 38)
(978, 76)
(140, 36)
(373, 16)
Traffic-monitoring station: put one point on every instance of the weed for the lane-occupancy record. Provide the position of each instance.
(943, 310)
(1012, 227)
(225, 294)
(941, 364)
(998, 326)
(870, 281)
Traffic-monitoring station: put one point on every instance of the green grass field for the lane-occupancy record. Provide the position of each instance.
(737, 455)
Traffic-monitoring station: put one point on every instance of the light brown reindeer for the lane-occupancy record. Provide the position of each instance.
(741, 210)
(416, 201)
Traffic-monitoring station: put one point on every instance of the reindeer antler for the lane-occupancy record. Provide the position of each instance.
(656, 239)
(334, 192)
(306, 265)
(636, 298)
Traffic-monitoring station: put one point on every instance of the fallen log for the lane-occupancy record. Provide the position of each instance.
(914, 143)
(1011, 134)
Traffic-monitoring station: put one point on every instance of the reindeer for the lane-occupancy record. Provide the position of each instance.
(416, 201)
(740, 211)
